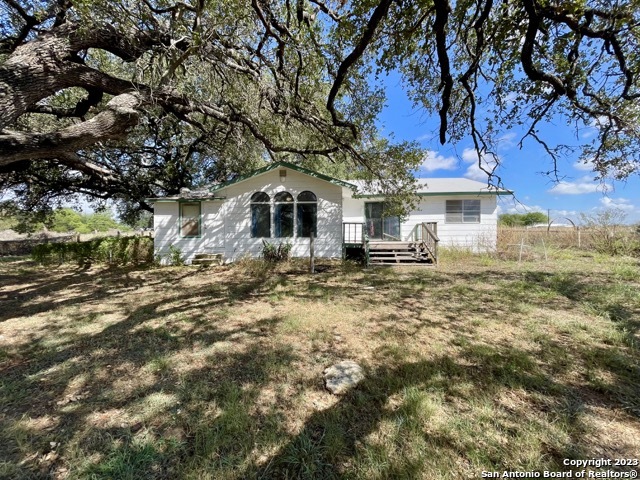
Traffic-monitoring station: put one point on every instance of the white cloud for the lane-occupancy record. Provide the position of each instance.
(588, 133)
(617, 203)
(511, 205)
(579, 187)
(507, 140)
(474, 172)
(426, 137)
(434, 161)
(584, 165)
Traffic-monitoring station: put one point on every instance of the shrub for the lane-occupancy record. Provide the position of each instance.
(276, 253)
(112, 250)
(609, 235)
(175, 255)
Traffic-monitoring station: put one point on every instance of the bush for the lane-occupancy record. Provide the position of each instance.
(276, 253)
(112, 250)
(609, 235)
(175, 255)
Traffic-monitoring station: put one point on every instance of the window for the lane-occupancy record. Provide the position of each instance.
(285, 223)
(283, 214)
(379, 225)
(260, 215)
(462, 211)
(190, 219)
(307, 214)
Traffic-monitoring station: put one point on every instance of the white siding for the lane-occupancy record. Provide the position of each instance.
(478, 237)
(237, 212)
(167, 232)
(227, 223)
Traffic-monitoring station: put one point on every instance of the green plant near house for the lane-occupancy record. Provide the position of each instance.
(276, 253)
(111, 250)
(175, 255)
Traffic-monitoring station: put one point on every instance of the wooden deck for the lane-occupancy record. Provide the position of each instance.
(422, 250)
(385, 253)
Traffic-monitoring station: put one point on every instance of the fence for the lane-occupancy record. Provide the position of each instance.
(24, 246)
(610, 239)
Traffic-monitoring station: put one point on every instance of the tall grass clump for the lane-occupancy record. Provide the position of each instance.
(111, 250)
(276, 253)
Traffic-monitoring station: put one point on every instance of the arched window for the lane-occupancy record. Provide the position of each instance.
(307, 214)
(260, 215)
(283, 214)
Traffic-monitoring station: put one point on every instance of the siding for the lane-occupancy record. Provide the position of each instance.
(478, 237)
(226, 226)
(166, 230)
(237, 212)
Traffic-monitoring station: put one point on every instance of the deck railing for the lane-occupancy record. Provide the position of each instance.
(427, 232)
(353, 233)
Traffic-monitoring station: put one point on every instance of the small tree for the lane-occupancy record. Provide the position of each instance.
(606, 231)
(522, 219)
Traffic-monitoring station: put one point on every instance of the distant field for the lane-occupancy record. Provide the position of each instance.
(478, 365)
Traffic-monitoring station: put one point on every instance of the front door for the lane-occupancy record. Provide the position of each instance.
(379, 226)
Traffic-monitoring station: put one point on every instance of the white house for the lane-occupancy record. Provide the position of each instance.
(284, 203)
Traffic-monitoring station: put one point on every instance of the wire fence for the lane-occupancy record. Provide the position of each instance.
(527, 243)
(24, 246)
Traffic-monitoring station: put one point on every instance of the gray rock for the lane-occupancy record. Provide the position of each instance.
(343, 376)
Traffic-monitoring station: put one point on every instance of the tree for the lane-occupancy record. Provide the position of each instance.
(481, 65)
(121, 99)
(85, 83)
(608, 233)
(522, 219)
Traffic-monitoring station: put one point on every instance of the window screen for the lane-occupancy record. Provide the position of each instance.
(283, 214)
(307, 214)
(260, 215)
(462, 211)
(189, 219)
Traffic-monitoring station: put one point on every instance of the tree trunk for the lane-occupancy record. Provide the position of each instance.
(119, 116)
(40, 68)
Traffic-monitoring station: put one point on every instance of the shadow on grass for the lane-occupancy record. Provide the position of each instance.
(213, 418)
(341, 440)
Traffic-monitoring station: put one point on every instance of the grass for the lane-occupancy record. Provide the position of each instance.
(479, 365)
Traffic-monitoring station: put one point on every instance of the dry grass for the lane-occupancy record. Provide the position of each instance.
(612, 240)
(481, 364)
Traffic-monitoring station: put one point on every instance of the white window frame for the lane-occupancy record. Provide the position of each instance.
(470, 211)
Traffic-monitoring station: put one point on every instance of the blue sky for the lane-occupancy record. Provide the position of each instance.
(520, 170)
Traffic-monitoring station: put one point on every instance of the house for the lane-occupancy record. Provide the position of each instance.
(287, 203)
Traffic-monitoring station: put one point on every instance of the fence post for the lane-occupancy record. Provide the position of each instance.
(312, 266)
(521, 247)
(579, 239)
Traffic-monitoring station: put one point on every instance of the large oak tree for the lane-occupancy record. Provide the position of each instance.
(125, 98)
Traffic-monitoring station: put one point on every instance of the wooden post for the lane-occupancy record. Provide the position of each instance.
(521, 247)
(579, 239)
(312, 266)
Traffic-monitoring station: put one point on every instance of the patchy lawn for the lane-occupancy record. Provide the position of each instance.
(478, 365)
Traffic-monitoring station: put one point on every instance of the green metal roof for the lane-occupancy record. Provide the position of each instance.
(442, 194)
(273, 166)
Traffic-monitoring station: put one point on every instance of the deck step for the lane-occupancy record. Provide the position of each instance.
(208, 256)
(392, 245)
(205, 259)
(399, 253)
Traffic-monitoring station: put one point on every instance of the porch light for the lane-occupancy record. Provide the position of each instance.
(283, 176)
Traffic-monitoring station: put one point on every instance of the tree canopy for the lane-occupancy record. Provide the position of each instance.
(522, 219)
(124, 99)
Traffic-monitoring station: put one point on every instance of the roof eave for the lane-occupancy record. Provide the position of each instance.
(183, 199)
(273, 166)
(439, 194)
